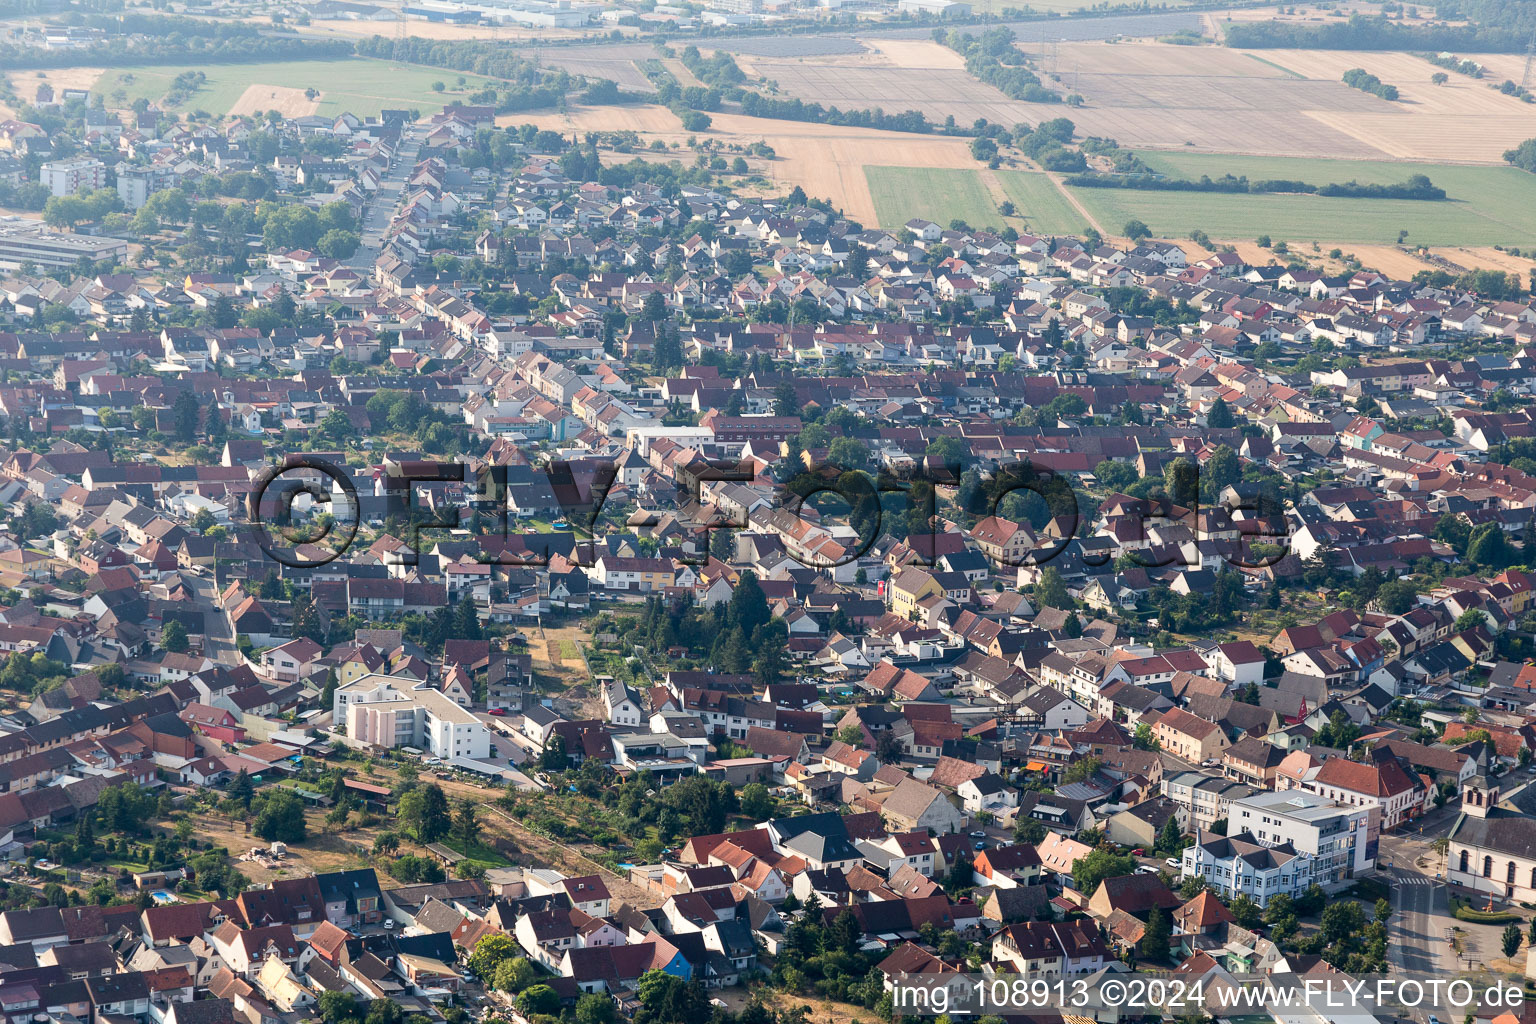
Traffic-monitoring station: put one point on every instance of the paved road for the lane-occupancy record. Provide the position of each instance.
(1421, 921)
(380, 207)
(218, 636)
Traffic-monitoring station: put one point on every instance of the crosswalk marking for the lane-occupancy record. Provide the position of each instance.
(1414, 880)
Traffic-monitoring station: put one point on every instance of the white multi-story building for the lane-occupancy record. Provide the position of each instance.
(397, 711)
(1239, 864)
(66, 177)
(1337, 838)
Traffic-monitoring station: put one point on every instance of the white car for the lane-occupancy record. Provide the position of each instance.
(978, 834)
(1172, 862)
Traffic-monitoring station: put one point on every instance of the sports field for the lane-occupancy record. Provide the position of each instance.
(1041, 204)
(936, 193)
(1487, 206)
(360, 85)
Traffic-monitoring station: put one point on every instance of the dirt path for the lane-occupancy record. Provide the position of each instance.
(1079, 207)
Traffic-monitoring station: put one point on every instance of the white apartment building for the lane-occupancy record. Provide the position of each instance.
(1239, 864)
(66, 177)
(397, 711)
(1336, 837)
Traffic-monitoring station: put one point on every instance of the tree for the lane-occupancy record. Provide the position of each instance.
(173, 637)
(424, 813)
(1246, 911)
(849, 734)
(1470, 619)
(186, 413)
(241, 789)
(1136, 230)
(1439, 78)
(340, 1008)
(1029, 830)
(1220, 415)
(512, 975)
(1144, 738)
(554, 758)
(1170, 838)
(756, 801)
(1051, 591)
(1089, 871)
(280, 817)
(538, 999)
(1511, 941)
(466, 824)
(1081, 769)
(1154, 941)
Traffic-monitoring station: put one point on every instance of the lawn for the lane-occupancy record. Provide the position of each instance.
(1040, 203)
(1488, 205)
(480, 853)
(360, 85)
(937, 194)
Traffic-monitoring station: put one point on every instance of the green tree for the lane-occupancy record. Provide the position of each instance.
(513, 975)
(1081, 769)
(1051, 591)
(1220, 415)
(1136, 230)
(1089, 871)
(173, 637)
(554, 758)
(423, 812)
(1030, 830)
(466, 824)
(597, 1007)
(186, 413)
(340, 1008)
(1170, 838)
(756, 801)
(279, 816)
(1154, 941)
(1511, 941)
(538, 999)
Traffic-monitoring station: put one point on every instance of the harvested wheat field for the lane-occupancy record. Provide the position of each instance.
(825, 160)
(286, 100)
(916, 53)
(26, 82)
(1464, 120)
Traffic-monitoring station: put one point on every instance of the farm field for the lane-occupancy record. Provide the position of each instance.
(825, 160)
(1495, 195)
(940, 195)
(1463, 120)
(1190, 99)
(1309, 218)
(360, 85)
(1037, 199)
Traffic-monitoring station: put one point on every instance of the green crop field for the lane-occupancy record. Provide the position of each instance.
(1041, 204)
(360, 85)
(938, 194)
(1487, 205)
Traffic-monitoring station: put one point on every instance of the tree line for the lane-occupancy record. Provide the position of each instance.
(1417, 186)
(151, 39)
(1374, 33)
(993, 58)
(1359, 78)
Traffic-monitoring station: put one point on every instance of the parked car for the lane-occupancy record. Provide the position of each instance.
(498, 712)
(1172, 862)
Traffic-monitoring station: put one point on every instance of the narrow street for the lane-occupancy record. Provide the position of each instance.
(218, 637)
(381, 204)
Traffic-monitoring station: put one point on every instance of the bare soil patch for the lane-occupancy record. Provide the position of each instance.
(288, 101)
